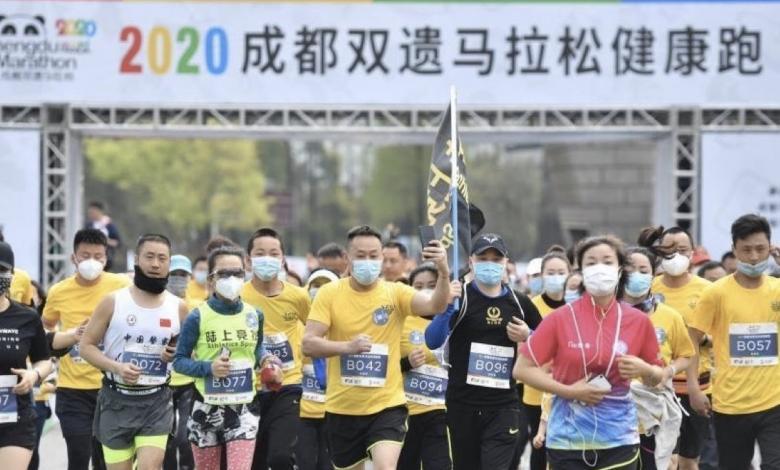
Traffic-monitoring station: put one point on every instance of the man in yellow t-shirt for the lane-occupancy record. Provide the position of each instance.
(70, 304)
(284, 307)
(742, 314)
(357, 324)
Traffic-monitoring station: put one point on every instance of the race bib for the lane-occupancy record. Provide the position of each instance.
(147, 358)
(367, 369)
(235, 389)
(279, 346)
(490, 366)
(75, 354)
(426, 385)
(8, 405)
(753, 344)
(312, 389)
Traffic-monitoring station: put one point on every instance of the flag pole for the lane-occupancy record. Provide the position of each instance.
(454, 182)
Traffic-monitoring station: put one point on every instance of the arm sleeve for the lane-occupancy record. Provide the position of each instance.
(50, 312)
(543, 343)
(439, 328)
(183, 362)
(50, 342)
(260, 351)
(39, 347)
(532, 316)
(703, 317)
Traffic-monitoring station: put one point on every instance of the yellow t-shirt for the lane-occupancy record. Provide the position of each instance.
(532, 396)
(21, 287)
(743, 324)
(413, 337)
(379, 313)
(683, 300)
(673, 338)
(281, 333)
(195, 293)
(70, 304)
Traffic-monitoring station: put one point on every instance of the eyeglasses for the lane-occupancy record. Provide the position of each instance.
(226, 273)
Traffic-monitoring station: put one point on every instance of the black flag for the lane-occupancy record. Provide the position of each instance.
(439, 209)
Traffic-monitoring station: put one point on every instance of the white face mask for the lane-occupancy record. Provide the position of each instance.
(600, 279)
(90, 269)
(676, 265)
(229, 287)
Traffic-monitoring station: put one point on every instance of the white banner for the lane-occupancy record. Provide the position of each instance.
(657, 54)
(20, 196)
(738, 176)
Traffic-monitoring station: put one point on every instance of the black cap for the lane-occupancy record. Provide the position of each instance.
(6, 255)
(488, 241)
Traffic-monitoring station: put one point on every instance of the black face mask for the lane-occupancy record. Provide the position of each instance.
(153, 285)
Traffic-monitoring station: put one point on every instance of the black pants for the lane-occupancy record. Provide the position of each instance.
(617, 458)
(538, 456)
(737, 435)
(277, 435)
(524, 433)
(178, 453)
(312, 452)
(483, 439)
(76, 412)
(426, 445)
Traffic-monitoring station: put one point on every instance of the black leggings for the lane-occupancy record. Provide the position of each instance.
(80, 449)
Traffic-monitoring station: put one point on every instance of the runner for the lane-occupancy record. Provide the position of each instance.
(357, 323)
(681, 290)
(484, 418)
(226, 336)
(741, 312)
(136, 325)
(312, 449)
(425, 384)
(394, 257)
(21, 337)
(676, 352)
(196, 289)
(22, 289)
(70, 303)
(285, 307)
(597, 345)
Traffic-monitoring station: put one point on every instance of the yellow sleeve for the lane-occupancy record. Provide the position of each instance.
(27, 297)
(321, 309)
(682, 346)
(703, 317)
(403, 295)
(50, 312)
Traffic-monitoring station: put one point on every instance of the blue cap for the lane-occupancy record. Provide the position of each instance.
(181, 263)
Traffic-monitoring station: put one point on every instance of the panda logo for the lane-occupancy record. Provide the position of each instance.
(22, 26)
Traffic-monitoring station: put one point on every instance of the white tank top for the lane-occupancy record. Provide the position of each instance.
(138, 335)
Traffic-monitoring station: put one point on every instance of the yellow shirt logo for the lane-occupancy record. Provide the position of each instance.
(776, 306)
(493, 316)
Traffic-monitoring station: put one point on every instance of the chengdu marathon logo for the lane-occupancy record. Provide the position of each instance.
(32, 49)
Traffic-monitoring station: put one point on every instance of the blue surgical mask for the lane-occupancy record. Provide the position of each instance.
(554, 283)
(753, 270)
(488, 273)
(571, 295)
(266, 268)
(638, 284)
(535, 285)
(200, 277)
(366, 271)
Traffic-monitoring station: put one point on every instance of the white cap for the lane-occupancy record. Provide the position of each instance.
(534, 267)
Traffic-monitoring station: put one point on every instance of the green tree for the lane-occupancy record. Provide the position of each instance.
(189, 186)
